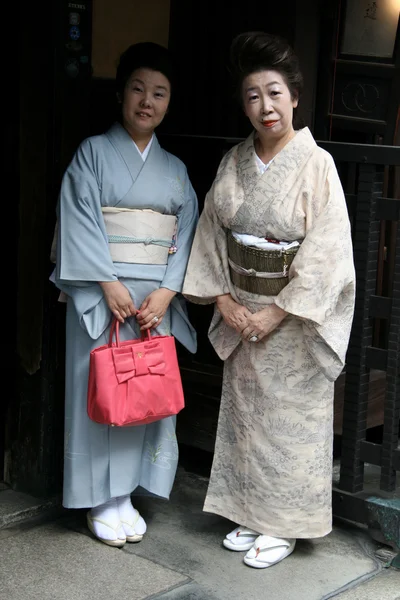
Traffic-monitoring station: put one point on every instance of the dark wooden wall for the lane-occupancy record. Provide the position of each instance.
(10, 234)
(50, 120)
(200, 37)
(358, 96)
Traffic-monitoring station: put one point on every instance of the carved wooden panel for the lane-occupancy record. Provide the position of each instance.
(361, 97)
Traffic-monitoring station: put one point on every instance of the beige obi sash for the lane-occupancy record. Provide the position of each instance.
(139, 236)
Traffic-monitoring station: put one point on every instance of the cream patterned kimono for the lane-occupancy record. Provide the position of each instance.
(273, 454)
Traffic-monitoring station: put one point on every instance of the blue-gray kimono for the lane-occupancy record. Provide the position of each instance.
(102, 462)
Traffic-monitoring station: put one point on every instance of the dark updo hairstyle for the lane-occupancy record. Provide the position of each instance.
(144, 55)
(256, 51)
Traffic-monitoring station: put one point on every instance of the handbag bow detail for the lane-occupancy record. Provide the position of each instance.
(134, 382)
(129, 362)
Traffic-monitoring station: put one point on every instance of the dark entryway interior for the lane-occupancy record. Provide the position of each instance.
(59, 106)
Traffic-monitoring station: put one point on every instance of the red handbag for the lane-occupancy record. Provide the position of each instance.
(134, 382)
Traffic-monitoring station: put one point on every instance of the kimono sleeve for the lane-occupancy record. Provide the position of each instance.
(82, 245)
(208, 263)
(322, 279)
(187, 218)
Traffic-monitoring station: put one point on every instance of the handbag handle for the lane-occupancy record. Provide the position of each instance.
(115, 330)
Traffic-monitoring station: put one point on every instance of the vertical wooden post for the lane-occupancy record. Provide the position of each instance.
(366, 241)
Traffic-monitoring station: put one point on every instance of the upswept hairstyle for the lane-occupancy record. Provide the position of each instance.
(256, 51)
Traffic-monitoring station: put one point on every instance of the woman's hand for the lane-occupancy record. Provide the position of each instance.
(235, 315)
(118, 299)
(154, 307)
(263, 322)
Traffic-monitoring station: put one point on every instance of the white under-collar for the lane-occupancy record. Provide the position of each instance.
(261, 165)
(146, 150)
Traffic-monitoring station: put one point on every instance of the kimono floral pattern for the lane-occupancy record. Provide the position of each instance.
(273, 455)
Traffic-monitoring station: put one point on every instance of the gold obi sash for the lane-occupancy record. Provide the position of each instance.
(257, 270)
(139, 236)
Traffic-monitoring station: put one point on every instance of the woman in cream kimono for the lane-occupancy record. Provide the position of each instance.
(104, 268)
(271, 472)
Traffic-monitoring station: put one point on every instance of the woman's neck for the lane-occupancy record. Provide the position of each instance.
(141, 139)
(267, 149)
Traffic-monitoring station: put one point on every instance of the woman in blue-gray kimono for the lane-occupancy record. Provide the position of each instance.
(122, 182)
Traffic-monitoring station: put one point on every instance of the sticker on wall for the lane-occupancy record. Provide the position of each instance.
(74, 18)
(84, 59)
(74, 33)
(72, 67)
(74, 46)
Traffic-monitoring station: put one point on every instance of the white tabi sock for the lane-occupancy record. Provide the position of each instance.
(130, 518)
(106, 521)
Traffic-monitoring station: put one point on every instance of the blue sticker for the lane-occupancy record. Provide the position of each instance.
(74, 33)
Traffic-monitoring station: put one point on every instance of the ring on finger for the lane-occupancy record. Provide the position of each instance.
(253, 338)
(155, 320)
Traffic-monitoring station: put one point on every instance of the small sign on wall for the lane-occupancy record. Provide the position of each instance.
(370, 28)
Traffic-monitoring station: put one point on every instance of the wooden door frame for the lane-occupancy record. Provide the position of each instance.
(306, 47)
(11, 158)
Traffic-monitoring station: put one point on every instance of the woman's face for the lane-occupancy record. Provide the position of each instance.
(145, 101)
(268, 104)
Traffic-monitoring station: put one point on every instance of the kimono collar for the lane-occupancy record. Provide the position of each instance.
(146, 151)
(123, 142)
(252, 193)
(291, 157)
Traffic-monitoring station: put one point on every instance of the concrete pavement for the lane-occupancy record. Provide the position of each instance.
(182, 558)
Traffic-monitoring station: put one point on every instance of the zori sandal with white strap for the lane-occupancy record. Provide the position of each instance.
(268, 551)
(118, 536)
(132, 522)
(135, 530)
(240, 539)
